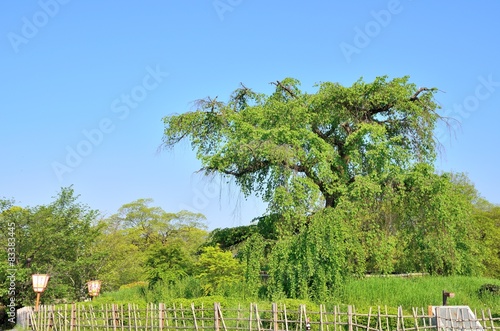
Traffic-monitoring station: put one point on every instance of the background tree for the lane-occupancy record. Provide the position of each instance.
(439, 232)
(54, 239)
(487, 216)
(146, 243)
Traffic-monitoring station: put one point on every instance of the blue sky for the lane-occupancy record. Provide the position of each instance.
(85, 85)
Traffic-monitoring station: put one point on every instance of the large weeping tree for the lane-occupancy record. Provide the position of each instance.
(300, 151)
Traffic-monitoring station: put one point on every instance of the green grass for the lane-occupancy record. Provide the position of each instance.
(408, 292)
(418, 292)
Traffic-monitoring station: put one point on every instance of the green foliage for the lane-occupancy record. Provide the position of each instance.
(168, 264)
(217, 269)
(252, 255)
(142, 242)
(301, 151)
(440, 235)
(487, 217)
(121, 259)
(312, 263)
(56, 239)
(230, 238)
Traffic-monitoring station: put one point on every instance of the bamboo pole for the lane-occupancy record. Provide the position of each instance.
(355, 317)
(335, 318)
(166, 320)
(257, 316)
(321, 317)
(349, 318)
(415, 319)
(326, 319)
(194, 317)
(239, 318)
(106, 316)
(182, 317)
(65, 317)
(286, 317)
(129, 318)
(202, 317)
(221, 317)
(135, 317)
(115, 317)
(250, 317)
(387, 319)
(368, 320)
(123, 317)
(492, 324)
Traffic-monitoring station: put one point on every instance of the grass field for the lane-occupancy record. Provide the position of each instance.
(392, 292)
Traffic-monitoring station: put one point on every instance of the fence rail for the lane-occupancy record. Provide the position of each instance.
(158, 317)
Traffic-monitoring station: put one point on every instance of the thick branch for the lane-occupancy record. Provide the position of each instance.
(253, 167)
(286, 88)
(420, 90)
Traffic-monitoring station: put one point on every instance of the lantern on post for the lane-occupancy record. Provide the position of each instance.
(94, 287)
(447, 295)
(39, 285)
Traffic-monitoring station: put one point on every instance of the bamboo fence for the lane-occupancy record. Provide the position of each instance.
(158, 317)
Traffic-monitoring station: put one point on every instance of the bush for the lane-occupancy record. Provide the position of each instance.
(489, 289)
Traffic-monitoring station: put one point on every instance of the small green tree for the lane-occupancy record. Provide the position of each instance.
(439, 232)
(217, 269)
(488, 220)
(56, 239)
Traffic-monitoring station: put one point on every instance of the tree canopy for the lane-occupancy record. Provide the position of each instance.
(301, 152)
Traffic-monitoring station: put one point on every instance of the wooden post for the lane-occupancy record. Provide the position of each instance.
(161, 316)
(72, 319)
(216, 318)
(275, 316)
(115, 316)
(349, 317)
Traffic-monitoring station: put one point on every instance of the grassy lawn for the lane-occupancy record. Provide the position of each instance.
(408, 292)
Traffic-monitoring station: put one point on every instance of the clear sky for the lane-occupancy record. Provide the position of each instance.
(85, 84)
